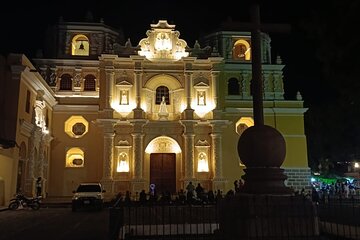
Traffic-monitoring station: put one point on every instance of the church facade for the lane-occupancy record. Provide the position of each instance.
(160, 112)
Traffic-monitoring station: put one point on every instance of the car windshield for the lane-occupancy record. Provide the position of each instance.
(89, 188)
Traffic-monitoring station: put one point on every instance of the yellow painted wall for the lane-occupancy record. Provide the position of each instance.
(7, 167)
(64, 180)
(290, 126)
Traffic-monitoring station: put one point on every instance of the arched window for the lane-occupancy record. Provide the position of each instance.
(160, 92)
(233, 86)
(241, 50)
(74, 157)
(80, 45)
(89, 83)
(66, 82)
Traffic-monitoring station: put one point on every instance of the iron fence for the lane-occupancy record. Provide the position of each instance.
(251, 217)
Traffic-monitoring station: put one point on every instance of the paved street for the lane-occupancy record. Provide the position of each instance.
(54, 224)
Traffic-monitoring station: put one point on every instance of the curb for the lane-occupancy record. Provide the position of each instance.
(3, 209)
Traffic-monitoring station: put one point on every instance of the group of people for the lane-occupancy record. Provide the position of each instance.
(238, 185)
(191, 195)
(340, 189)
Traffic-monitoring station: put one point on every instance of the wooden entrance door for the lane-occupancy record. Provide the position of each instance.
(163, 172)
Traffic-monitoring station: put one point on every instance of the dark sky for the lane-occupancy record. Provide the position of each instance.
(23, 23)
(320, 53)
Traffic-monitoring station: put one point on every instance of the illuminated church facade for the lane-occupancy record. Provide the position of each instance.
(93, 110)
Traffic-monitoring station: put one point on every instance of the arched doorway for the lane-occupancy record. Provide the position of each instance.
(164, 153)
(163, 172)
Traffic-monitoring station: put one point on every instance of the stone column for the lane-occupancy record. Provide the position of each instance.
(33, 168)
(188, 112)
(109, 91)
(189, 156)
(138, 182)
(108, 155)
(138, 75)
(216, 153)
(245, 85)
(267, 86)
(138, 111)
(41, 159)
(138, 155)
(189, 139)
(215, 89)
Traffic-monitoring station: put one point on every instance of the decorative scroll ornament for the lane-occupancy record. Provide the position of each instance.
(163, 43)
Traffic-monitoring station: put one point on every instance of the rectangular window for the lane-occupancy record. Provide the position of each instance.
(27, 106)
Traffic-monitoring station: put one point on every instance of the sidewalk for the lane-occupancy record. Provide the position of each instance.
(50, 202)
(3, 208)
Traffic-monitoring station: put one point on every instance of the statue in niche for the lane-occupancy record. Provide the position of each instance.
(201, 99)
(39, 114)
(124, 98)
(163, 113)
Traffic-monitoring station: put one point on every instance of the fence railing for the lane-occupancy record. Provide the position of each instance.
(237, 218)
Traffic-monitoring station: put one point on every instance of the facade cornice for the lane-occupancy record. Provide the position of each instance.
(76, 108)
(289, 111)
(26, 128)
(39, 84)
(278, 111)
(68, 62)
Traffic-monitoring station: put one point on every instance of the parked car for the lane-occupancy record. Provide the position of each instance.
(88, 195)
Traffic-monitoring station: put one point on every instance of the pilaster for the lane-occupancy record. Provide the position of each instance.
(189, 138)
(216, 152)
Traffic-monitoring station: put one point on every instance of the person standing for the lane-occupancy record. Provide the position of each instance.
(190, 188)
(38, 186)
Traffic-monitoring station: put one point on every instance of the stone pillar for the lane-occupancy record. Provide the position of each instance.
(138, 88)
(189, 139)
(215, 89)
(245, 85)
(189, 155)
(138, 155)
(109, 92)
(188, 112)
(138, 111)
(267, 85)
(138, 182)
(108, 158)
(108, 155)
(216, 153)
(33, 167)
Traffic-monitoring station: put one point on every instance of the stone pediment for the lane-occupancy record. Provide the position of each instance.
(123, 83)
(163, 43)
(203, 143)
(201, 85)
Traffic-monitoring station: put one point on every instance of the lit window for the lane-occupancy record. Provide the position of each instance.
(76, 126)
(160, 92)
(243, 123)
(80, 45)
(74, 157)
(241, 50)
(66, 82)
(89, 83)
(233, 86)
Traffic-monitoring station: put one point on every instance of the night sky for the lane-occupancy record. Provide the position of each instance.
(321, 51)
